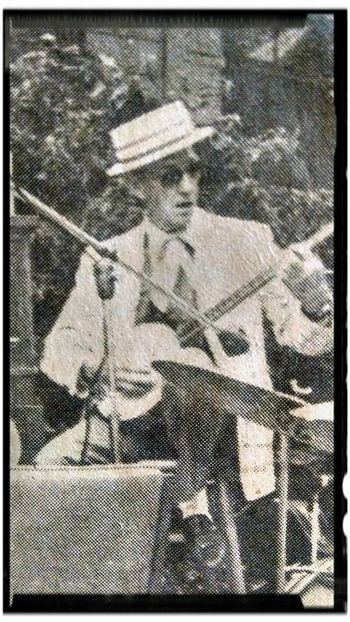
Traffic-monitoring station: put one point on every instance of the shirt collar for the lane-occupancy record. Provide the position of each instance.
(158, 237)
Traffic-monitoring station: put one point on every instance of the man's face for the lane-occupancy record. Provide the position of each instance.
(170, 188)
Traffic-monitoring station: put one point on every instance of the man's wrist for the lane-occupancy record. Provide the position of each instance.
(85, 381)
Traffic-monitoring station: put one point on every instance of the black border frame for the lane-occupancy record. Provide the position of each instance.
(200, 603)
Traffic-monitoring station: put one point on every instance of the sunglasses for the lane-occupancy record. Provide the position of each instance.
(173, 174)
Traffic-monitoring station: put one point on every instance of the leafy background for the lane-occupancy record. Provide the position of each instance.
(65, 100)
(271, 158)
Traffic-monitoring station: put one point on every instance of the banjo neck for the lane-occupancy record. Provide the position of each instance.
(242, 293)
(232, 301)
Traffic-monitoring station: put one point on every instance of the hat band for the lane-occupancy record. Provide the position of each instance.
(150, 151)
(184, 129)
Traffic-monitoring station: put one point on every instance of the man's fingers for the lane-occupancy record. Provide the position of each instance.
(295, 279)
(105, 268)
(106, 276)
(133, 389)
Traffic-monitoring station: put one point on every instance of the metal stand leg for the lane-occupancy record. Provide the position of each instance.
(115, 438)
(236, 576)
(282, 495)
(315, 528)
(85, 450)
(156, 584)
(108, 360)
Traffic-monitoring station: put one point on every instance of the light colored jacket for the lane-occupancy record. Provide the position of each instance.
(228, 253)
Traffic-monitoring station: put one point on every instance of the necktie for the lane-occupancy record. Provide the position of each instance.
(175, 257)
(178, 258)
(170, 272)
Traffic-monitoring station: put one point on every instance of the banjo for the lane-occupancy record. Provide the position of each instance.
(185, 344)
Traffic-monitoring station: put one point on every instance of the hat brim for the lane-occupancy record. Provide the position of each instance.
(198, 134)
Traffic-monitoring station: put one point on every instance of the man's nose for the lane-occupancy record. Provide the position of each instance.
(186, 184)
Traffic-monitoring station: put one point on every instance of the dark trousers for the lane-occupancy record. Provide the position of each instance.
(181, 428)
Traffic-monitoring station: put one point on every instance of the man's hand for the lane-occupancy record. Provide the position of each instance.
(87, 378)
(105, 276)
(306, 278)
(132, 384)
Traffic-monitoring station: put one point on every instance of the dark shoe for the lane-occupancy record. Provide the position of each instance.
(204, 543)
(176, 532)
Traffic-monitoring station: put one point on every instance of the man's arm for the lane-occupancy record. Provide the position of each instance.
(299, 303)
(77, 336)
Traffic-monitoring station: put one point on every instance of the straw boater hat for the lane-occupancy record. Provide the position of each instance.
(153, 136)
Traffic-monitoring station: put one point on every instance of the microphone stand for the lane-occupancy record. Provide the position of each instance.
(106, 291)
(107, 361)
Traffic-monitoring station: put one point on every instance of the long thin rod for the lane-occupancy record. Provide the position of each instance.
(237, 580)
(282, 512)
(97, 250)
(108, 361)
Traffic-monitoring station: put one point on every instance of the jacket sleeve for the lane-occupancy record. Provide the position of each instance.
(291, 326)
(77, 336)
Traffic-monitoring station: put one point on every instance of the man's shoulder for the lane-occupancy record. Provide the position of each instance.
(125, 239)
(229, 228)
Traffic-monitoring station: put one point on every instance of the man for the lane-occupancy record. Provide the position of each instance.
(202, 258)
